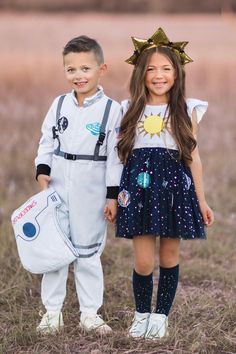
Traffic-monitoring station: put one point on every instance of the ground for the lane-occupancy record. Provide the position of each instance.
(203, 316)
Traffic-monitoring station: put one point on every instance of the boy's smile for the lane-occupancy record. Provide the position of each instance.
(83, 73)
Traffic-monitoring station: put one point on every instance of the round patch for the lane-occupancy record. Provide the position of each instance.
(29, 229)
(124, 198)
(144, 180)
(153, 125)
(62, 124)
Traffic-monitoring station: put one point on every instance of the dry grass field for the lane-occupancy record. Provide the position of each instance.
(204, 315)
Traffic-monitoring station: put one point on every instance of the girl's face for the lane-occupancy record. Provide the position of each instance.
(159, 79)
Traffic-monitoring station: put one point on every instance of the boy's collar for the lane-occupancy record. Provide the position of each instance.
(88, 101)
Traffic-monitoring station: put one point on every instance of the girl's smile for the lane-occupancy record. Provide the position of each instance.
(159, 78)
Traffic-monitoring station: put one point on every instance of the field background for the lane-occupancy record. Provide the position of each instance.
(204, 314)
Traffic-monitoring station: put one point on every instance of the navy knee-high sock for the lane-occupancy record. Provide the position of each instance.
(142, 287)
(167, 285)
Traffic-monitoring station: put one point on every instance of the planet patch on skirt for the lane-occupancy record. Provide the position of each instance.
(124, 198)
(144, 179)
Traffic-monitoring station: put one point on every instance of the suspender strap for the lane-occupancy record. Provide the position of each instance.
(61, 99)
(102, 133)
(54, 128)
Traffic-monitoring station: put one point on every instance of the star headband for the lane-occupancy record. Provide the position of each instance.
(158, 39)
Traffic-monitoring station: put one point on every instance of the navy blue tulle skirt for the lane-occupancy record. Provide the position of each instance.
(157, 197)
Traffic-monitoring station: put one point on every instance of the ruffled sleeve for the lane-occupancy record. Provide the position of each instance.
(200, 107)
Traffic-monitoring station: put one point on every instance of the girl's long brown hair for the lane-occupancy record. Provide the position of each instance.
(180, 123)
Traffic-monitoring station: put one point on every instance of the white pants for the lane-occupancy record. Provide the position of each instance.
(89, 285)
(81, 186)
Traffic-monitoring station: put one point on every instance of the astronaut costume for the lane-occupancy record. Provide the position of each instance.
(81, 184)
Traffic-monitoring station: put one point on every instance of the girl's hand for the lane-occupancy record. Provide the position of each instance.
(207, 213)
(43, 181)
(110, 210)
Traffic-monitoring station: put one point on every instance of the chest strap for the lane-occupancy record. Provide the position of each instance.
(79, 157)
(99, 143)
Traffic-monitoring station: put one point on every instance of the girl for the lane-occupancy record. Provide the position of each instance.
(161, 191)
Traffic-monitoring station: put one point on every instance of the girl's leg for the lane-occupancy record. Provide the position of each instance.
(169, 274)
(144, 262)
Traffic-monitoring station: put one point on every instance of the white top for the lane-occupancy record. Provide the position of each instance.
(151, 130)
(79, 130)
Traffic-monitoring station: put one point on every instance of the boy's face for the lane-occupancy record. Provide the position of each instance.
(83, 73)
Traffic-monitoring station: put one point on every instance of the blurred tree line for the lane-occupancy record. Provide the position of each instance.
(143, 6)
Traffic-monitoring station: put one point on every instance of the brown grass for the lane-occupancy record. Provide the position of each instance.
(203, 317)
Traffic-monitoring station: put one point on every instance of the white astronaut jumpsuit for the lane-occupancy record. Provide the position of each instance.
(82, 186)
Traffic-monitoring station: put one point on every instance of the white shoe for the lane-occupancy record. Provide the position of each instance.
(139, 325)
(157, 326)
(93, 322)
(51, 322)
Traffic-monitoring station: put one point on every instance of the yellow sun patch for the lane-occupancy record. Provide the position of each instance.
(153, 125)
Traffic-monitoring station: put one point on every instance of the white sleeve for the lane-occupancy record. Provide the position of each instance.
(114, 166)
(200, 107)
(46, 143)
(124, 107)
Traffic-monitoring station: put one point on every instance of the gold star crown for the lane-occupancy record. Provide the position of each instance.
(158, 39)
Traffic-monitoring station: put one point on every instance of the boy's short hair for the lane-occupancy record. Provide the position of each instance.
(84, 44)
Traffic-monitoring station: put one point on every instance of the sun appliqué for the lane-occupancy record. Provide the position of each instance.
(153, 124)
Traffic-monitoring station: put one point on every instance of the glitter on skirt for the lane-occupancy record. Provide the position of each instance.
(157, 197)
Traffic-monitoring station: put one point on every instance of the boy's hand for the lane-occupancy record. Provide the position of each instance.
(110, 210)
(43, 181)
(207, 213)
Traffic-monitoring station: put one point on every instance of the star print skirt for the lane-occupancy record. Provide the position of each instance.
(157, 197)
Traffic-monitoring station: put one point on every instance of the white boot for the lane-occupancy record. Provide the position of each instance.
(157, 326)
(139, 325)
(51, 322)
(93, 322)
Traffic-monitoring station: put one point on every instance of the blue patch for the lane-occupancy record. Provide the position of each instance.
(29, 229)
(94, 128)
(117, 130)
(144, 180)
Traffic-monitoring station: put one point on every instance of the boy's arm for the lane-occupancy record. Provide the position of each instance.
(43, 160)
(114, 167)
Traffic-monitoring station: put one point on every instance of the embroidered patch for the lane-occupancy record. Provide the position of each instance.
(124, 198)
(94, 128)
(144, 180)
(117, 130)
(147, 162)
(164, 183)
(152, 125)
(188, 181)
(140, 206)
(62, 124)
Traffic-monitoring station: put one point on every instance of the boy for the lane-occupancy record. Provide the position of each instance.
(77, 157)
